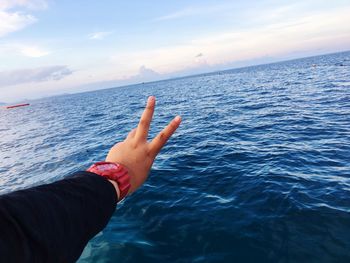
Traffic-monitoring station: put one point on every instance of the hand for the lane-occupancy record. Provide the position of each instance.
(136, 153)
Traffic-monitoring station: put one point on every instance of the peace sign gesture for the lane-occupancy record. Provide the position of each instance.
(135, 152)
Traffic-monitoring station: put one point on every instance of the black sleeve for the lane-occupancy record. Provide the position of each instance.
(54, 222)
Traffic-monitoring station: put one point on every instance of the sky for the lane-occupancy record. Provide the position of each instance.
(50, 47)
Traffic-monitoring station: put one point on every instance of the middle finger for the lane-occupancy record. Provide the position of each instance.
(145, 121)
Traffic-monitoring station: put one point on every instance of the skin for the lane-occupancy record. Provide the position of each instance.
(136, 153)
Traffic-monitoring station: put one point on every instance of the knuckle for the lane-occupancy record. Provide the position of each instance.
(162, 136)
(134, 144)
(143, 123)
(173, 126)
(149, 152)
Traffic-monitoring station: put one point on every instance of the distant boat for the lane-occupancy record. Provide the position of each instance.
(17, 105)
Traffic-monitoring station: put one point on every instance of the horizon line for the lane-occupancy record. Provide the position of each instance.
(175, 78)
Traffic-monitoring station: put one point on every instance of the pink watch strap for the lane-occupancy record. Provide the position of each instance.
(115, 172)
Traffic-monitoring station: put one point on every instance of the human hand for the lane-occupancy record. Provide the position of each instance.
(135, 152)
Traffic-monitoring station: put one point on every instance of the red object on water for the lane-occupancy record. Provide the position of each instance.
(17, 105)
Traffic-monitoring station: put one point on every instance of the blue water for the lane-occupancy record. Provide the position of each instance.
(259, 170)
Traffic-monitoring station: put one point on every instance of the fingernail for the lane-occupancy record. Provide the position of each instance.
(177, 118)
(151, 98)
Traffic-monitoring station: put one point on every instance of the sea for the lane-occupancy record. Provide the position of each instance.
(258, 171)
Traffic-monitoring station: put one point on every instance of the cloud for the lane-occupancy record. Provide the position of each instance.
(195, 11)
(146, 73)
(27, 50)
(51, 73)
(199, 55)
(99, 35)
(12, 21)
(33, 52)
(321, 32)
(179, 14)
(30, 4)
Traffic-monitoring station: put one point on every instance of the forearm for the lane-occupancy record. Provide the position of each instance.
(53, 223)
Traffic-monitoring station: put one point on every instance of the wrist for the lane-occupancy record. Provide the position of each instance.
(116, 187)
(116, 174)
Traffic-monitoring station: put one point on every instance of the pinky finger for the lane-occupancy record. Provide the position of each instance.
(160, 140)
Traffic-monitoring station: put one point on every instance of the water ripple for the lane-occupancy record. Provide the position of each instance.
(258, 171)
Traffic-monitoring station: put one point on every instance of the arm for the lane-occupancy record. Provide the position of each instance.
(53, 223)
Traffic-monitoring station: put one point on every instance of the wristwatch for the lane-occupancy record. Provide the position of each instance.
(115, 172)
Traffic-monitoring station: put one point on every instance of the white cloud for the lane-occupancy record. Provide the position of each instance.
(12, 21)
(179, 14)
(27, 50)
(33, 51)
(30, 4)
(192, 11)
(144, 74)
(99, 35)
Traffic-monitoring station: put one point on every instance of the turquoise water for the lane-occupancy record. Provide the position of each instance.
(258, 171)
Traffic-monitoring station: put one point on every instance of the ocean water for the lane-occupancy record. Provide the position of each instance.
(259, 170)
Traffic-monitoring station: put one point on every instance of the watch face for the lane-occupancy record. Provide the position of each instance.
(107, 167)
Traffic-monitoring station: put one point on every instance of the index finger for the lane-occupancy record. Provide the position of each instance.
(146, 118)
(160, 140)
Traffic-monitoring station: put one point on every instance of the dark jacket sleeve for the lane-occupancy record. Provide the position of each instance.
(54, 222)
